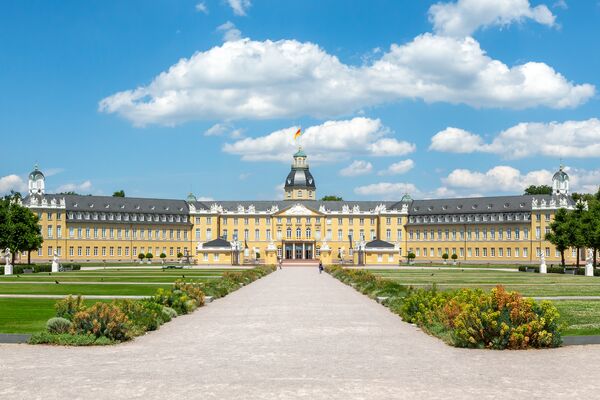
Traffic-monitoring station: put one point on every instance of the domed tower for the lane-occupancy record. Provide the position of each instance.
(560, 182)
(300, 184)
(37, 182)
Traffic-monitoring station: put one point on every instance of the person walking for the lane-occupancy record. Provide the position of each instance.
(320, 267)
(280, 263)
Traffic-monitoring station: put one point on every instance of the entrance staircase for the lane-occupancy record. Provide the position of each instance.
(300, 263)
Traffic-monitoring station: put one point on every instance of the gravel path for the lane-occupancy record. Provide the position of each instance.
(294, 334)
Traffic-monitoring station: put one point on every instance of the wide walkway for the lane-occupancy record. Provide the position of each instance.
(294, 334)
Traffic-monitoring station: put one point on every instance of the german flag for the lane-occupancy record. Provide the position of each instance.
(298, 133)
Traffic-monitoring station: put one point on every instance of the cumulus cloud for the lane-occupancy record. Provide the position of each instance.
(201, 7)
(506, 179)
(463, 17)
(230, 32)
(386, 190)
(574, 139)
(239, 7)
(282, 79)
(358, 167)
(401, 167)
(205, 198)
(328, 142)
(12, 182)
(84, 186)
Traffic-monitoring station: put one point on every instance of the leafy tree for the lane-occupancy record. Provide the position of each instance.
(149, 256)
(454, 257)
(541, 189)
(331, 198)
(119, 193)
(19, 228)
(141, 256)
(179, 255)
(445, 257)
(559, 234)
(575, 227)
(590, 225)
(411, 256)
(70, 192)
(162, 257)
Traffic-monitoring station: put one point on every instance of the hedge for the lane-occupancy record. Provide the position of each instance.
(466, 317)
(18, 269)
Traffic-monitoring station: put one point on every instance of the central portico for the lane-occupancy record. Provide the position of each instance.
(298, 250)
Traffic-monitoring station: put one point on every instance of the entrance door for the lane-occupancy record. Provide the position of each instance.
(288, 252)
(308, 251)
(299, 251)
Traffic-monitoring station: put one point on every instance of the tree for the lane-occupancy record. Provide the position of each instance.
(141, 256)
(454, 258)
(331, 198)
(410, 256)
(119, 193)
(19, 228)
(575, 229)
(162, 257)
(541, 189)
(445, 257)
(70, 192)
(590, 225)
(559, 234)
(149, 257)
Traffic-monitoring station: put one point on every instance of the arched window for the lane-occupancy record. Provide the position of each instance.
(288, 233)
(308, 233)
(298, 233)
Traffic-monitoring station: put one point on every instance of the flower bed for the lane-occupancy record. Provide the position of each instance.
(121, 320)
(467, 317)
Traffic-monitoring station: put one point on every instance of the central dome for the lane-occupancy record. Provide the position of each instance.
(300, 184)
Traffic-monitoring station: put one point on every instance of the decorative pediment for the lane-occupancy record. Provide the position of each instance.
(298, 209)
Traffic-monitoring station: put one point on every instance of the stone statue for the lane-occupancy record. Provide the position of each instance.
(55, 263)
(589, 263)
(8, 268)
(543, 268)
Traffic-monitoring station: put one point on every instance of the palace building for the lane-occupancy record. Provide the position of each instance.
(498, 229)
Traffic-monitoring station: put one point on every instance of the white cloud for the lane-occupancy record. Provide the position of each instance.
(507, 179)
(328, 142)
(205, 198)
(239, 7)
(286, 78)
(279, 191)
(574, 139)
(84, 186)
(398, 168)
(464, 17)
(386, 190)
(52, 171)
(230, 32)
(560, 4)
(455, 140)
(201, 7)
(358, 167)
(12, 182)
(224, 128)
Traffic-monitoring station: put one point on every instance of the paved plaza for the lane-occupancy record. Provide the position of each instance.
(294, 334)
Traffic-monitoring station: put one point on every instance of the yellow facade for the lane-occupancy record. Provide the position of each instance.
(509, 229)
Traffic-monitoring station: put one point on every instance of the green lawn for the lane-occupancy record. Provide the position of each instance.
(580, 317)
(74, 289)
(26, 315)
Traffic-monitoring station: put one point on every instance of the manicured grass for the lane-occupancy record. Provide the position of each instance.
(108, 278)
(74, 289)
(529, 284)
(580, 317)
(27, 315)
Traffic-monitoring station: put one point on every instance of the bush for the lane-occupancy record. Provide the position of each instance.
(37, 268)
(67, 339)
(102, 319)
(69, 306)
(168, 313)
(477, 319)
(58, 325)
(143, 315)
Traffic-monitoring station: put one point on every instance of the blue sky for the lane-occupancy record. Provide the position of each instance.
(450, 98)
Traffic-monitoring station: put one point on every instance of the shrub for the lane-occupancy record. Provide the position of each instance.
(192, 290)
(67, 339)
(143, 315)
(102, 319)
(168, 313)
(58, 325)
(69, 306)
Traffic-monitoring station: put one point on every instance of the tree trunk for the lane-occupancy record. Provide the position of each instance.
(577, 258)
(562, 258)
(14, 255)
(595, 251)
(29, 257)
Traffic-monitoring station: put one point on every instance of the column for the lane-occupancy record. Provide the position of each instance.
(303, 252)
(293, 251)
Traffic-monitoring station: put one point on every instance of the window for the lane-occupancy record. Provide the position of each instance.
(288, 233)
(208, 234)
(399, 234)
(197, 233)
(49, 231)
(388, 234)
(500, 252)
(235, 234)
(103, 251)
(79, 233)
(225, 234)
(49, 216)
(79, 251)
(462, 252)
(525, 252)
(538, 232)
(87, 251)
(308, 233)
(469, 252)
(493, 252)
(268, 234)
(111, 251)
(547, 249)
(59, 232)
(49, 250)
(246, 234)
(379, 257)
(476, 251)
(257, 234)
(71, 251)
(485, 251)
(298, 233)
(516, 252)
(340, 235)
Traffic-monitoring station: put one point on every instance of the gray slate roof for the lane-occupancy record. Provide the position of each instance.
(217, 243)
(378, 243)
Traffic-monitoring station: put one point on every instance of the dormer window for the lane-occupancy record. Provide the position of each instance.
(122, 206)
(459, 207)
(444, 208)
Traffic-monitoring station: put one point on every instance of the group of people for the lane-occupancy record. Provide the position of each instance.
(280, 263)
